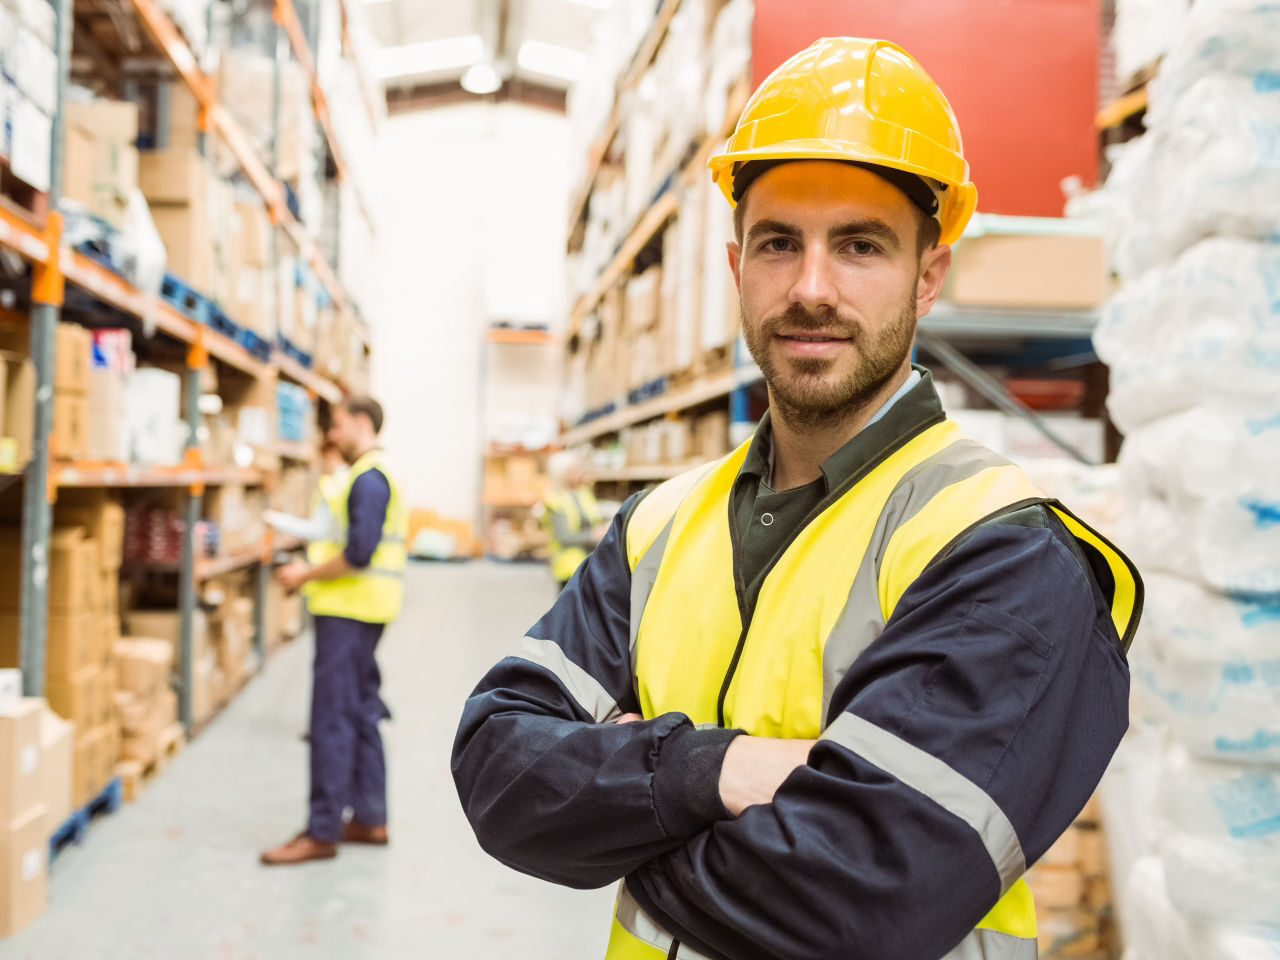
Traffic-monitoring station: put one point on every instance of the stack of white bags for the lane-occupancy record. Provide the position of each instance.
(1193, 343)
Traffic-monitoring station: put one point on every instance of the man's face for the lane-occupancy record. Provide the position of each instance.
(831, 285)
(344, 433)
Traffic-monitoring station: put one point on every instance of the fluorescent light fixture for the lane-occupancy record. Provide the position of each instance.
(593, 4)
(429, 56)
(551, 60)
(481, 78)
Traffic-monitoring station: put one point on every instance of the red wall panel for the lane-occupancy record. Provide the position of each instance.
(1021, 75)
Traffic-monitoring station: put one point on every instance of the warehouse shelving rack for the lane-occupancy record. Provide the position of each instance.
(53, 266)
(1005, 332)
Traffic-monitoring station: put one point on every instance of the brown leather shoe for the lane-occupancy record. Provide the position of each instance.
(356, 832)
(301, 849)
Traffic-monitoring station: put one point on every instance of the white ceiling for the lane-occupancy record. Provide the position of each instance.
(563, 23)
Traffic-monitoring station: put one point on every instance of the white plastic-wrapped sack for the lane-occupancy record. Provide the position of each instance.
(1212, 167)
(1204, 327)
(1153, 929)
(1203, 495)
(1240, 37)
(1221, 848)
(1208, 665)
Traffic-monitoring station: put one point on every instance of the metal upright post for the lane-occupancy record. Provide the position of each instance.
(196, 359)
(46, 296)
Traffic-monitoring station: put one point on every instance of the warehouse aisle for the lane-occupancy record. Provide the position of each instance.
(176, 874)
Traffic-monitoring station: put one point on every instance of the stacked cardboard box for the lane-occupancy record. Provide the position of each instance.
(79, 678)
(1073, 894)
(252, 297)
(73, 353)
(17, 415)
(100, 162)
(24, 825)
(192, 213)
(236, 513)
(514, 480)
(147, 706)
(166, 625)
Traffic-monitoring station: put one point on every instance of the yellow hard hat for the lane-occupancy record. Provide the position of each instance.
(866, 101)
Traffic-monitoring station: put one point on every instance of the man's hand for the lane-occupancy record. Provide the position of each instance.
(755, 767)
(293, 575)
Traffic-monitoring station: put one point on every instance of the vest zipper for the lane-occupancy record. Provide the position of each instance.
(747, 604)
(674, 952)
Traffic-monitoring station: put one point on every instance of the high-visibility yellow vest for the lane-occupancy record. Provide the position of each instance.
(825, 601)
(374, 594)
(331, 492)
(581, 511)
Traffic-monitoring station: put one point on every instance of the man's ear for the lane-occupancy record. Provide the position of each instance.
(735, 261)
(934, 265)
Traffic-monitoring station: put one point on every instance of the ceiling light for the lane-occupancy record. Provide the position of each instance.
(593, 4)
(481, 78)
(552, 60)
(428, 56)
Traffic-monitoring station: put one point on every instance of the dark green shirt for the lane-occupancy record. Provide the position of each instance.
(764, 522)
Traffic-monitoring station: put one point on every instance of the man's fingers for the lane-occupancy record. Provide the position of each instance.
(629, 718)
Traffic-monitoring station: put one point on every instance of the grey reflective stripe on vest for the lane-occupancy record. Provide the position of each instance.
(584, 688)
(993, 945)
(861, 620)
(638, 923)
(643, 578)
(952, 791)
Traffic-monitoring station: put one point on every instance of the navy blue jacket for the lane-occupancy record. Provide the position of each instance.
(1001, 660)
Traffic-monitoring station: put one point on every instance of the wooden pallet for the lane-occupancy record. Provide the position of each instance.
(72, 831)
(134, 774)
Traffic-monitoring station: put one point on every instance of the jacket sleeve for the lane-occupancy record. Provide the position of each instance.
(551, 784)
(962, 743)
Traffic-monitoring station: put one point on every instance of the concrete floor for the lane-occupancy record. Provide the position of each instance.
(176, 875)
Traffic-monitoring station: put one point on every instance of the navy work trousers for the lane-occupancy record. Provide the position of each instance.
(348, 770)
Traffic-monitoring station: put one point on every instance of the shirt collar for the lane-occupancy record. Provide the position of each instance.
(914, 403)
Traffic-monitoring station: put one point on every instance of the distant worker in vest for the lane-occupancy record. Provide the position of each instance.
(354, 588)
(570, 515)
(830, 696)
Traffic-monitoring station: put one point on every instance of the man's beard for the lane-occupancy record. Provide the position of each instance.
(798, 394)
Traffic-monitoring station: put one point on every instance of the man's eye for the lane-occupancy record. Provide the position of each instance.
(777, 245)
(862, 247)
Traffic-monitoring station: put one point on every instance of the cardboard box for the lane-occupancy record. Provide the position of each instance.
(20, 783)
(114, 121)
(106, 752)
(143, 666)
(24, 849)
(173, 177)
(104, 697)
(1008, 270)
(19, 402)
(188, 242)
(205, 687)
(82, 764)
(74, 698)
(102, 516)
(57, 745)
(711, 435)
(73, 566)
(70, 437)
(70, 643)
(166, 625)
(107, 438)
(252, 235)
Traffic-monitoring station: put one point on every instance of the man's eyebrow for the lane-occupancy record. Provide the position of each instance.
(774, 227)
(870, 227)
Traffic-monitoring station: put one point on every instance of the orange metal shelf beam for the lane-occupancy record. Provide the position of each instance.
(519, 336)
(95, 474)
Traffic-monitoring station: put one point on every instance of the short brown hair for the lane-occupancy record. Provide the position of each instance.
(358, 406)
(928, 229)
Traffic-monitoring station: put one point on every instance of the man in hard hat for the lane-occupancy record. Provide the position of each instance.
(354, 588)
(829, 696)
(570, 515)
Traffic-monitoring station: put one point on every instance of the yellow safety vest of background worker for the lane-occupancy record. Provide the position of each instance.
(832, 694)
(570, 515)
(376, 593)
